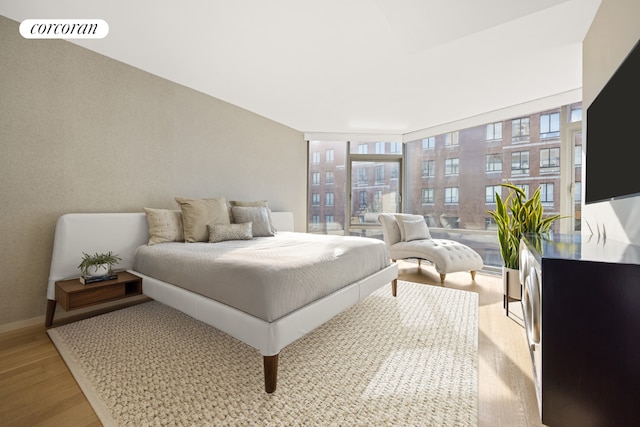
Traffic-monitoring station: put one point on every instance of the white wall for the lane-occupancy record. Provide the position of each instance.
(614, 31)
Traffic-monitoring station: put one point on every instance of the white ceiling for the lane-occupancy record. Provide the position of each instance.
(345, 66)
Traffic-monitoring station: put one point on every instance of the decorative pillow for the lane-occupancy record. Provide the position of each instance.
(401, 218)
(259, 216)
(416, 230)
(257, 203)
(223, 232)
(197, 213)
(164, 225)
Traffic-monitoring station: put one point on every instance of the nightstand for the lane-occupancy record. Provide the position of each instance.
(72, 295)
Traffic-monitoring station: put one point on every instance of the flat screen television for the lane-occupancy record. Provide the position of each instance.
(613, 135)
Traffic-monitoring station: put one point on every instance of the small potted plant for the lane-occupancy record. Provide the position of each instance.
(515, 216)
(98, 264)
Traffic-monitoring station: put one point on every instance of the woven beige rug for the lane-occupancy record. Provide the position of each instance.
(405, 361)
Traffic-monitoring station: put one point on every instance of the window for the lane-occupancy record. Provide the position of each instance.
(525, 188)
(379, 147)
(363, 200)
(549, 160)
(394, 171)
(329, 219)
(328, 199)
(328, 155)
(494, 162)
(428, 168)
(315, 178)
(315, 219)
(379, 174)
(396, 147)
(328, 177)
(546, 193)
(429, 143)
(490, 193)
(520, 163)
(494, 131)
(520, 129)
(363, 148)
(451, 195)
(315, 157)
(577, 155)
(315, 199)
(490, 224)
(577, 193)
(451, 166)
(576, 114)
(550, 125)
(427, 196)
(362, 176)
(451, 138)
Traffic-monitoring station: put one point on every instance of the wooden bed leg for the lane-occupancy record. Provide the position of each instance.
(51, 310)
(270, 373)
(473, 275)
(394, 287)
(442, 276)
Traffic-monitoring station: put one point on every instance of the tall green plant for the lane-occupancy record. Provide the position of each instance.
(515, 216)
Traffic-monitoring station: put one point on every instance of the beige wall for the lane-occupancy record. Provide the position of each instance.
(612, 35)
(80, 132)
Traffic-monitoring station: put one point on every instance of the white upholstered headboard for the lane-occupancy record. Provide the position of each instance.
(120, 233)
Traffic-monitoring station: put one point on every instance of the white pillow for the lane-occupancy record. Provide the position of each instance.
(402, 218)
(416, 230)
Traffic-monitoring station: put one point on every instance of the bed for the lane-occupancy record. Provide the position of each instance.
(278, 296)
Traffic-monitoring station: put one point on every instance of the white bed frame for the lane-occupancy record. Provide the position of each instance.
(122, 233)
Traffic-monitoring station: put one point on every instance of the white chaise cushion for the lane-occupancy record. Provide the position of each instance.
(447, 256)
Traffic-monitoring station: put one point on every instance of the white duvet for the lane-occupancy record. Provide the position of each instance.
(267, 277)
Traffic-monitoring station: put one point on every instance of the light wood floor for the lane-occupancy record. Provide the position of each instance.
(37, 389)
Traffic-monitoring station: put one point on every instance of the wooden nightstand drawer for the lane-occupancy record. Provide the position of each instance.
(97, 294)
(71, 294)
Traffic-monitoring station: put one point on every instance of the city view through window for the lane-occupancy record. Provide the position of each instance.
(450, 179)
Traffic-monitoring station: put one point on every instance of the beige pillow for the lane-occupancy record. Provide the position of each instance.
(251, 204)
(197, 213)
(402, 218)
(223, 232)
(261, 226)
(164, 225)
(416, 230)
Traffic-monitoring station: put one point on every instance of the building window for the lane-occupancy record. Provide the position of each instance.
(520, 129)
(550, 160)
(363, 200)
(315, 178)
(494, 131)
(328, 177)
(315, 219)
(328, 199)
(451, 195)
(363, 148)
(494, 162)
(429, 143)
(520, 163)
(427, 196)
(451, 166)
(362, 176)
(576, 114)
(329, 219)
(490, 193)
(577, 155)
(428, 168)
(577, 193)
(379, 174)
(315, 199)
(490, 224)
(451, 138)
(546, 193)
(525, 188)
(396, 147)
(328, 155)
(394, 171)
(379, 147)
(315, 157)
(550, 125)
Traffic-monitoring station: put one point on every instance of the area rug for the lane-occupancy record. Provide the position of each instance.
(411, 360)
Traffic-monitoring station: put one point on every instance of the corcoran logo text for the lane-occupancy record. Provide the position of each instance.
(64, 28)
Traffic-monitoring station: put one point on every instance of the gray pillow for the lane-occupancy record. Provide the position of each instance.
(224, 232)
(258, 216)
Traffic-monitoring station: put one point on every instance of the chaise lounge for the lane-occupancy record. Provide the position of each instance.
(407, 237)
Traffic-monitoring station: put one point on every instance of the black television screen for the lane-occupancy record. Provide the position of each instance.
(613, 129)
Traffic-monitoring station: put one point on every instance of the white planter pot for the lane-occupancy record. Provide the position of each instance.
(511, 283)
(101, 270)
